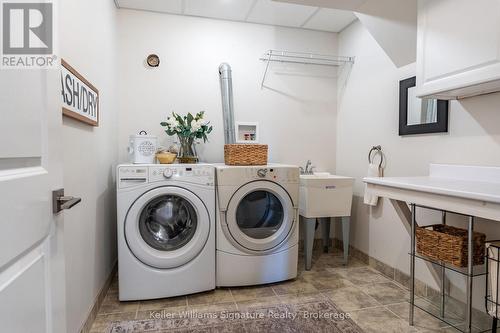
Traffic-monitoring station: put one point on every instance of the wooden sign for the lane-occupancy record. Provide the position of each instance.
(80, 98)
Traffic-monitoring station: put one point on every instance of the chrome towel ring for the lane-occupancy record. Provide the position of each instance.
(377, 150)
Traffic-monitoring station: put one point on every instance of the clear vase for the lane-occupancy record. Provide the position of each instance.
(187, 150)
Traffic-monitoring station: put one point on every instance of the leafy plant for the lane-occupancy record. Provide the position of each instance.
(188, 126)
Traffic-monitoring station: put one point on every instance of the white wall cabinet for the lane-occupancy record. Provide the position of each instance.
(458, 48)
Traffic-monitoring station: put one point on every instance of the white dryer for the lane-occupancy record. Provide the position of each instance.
(257, 227)
(166, 230)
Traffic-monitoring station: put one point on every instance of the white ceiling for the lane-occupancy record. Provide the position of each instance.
(255, 11)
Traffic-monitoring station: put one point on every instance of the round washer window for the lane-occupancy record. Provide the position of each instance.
(168, 222)
(259, 214)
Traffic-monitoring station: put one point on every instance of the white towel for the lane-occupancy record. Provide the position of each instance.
(373, 171)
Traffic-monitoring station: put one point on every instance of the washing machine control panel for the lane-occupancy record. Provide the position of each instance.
(131, 175)
(198, 174)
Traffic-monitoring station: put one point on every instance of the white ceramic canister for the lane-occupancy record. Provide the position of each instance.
(142, 148)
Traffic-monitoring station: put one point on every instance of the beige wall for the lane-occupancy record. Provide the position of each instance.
(296, 112)
(90, 155)
(368, 115)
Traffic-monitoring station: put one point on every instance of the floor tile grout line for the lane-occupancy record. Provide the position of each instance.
(447, 325)
(373, 284)
(369, 296)
(361, 291)
(275, 293)
(396, 303)
(401, 285)
(369, 308)
(394, 313)
(384, 307)
(345, 311)
(234, 299)
(391, 282)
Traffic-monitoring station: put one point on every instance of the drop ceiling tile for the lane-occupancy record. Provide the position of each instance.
(222, 9)
(327, 19)
(338, 4)
(167, 6)
(279, 13)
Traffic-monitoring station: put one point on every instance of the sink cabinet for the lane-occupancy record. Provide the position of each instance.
(325, 196)
(458, 48)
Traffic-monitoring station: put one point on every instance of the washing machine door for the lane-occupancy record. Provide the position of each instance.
(260, 216)
(167, 227)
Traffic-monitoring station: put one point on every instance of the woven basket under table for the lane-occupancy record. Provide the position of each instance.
(449, 244)
(245, 154)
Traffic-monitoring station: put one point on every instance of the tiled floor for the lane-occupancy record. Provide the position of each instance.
(374, 302)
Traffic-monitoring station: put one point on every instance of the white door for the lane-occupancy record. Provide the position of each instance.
(32, 289)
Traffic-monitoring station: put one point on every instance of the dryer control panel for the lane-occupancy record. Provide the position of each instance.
(133, 175)
(287, 175)
(239, 175)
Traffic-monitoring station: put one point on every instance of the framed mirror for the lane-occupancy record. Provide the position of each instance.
(420, 116)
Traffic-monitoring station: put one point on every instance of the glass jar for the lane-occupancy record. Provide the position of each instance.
(187, 150)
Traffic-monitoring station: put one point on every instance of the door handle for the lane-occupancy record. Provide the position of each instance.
(68, 202)
(61, 202)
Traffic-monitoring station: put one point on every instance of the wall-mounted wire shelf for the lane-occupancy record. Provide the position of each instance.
(303, 58)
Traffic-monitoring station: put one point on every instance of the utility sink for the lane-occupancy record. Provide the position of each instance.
(325, 195)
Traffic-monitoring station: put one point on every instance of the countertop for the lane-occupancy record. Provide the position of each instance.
(462, 188)
(468, 190)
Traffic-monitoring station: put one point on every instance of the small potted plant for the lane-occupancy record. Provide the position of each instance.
(187, 128)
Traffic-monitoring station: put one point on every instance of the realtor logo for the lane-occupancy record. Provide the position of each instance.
(27, 34)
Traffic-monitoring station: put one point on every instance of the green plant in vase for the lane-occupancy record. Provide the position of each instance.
(188, 128)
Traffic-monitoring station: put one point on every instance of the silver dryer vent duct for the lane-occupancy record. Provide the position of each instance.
(226, 87)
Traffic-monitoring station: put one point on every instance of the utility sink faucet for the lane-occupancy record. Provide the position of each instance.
(308, 170)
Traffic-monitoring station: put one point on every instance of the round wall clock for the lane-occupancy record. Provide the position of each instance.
(153, 60)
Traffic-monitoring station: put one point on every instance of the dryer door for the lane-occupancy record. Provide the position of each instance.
(260, 216)
(167, 227)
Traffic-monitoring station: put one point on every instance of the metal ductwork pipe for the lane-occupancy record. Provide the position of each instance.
(226, 87)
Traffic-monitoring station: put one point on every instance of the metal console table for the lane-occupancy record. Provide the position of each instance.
(472, 191)
(469, 272)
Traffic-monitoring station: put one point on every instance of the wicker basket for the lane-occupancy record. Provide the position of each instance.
(449, 244)
(245, 154)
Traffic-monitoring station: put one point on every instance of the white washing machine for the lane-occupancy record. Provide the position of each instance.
(257, 227)
(166, 230)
